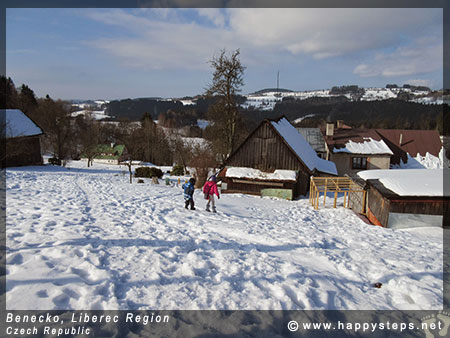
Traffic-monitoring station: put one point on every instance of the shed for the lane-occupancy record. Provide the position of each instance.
(277, 157)
(404, 198)
(22, 135)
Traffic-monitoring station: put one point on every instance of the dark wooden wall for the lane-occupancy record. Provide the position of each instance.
(356, 200)
(382, 201)
(378, 205)
(266, 151)
(22, 151)
(424, 206)
(235, 185)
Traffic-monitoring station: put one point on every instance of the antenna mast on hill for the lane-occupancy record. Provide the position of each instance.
(278, 85)
(278, 81)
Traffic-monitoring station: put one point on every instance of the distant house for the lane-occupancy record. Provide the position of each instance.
(353, 150)
(22, 137)
(274, 160)
(407, 198)
(110, 153)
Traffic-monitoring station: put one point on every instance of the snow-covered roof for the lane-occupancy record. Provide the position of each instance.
(302, 148)
(250, 173)
(428, 161)
(368, 146)
(18, 124)
(413, 182)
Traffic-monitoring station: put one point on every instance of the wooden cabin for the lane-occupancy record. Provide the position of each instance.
(274, 160)
(407, 198)
(22, 135)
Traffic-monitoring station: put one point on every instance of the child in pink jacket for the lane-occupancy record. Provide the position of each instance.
(209, 190)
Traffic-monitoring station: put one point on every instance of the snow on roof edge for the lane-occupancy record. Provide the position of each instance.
(256, 174)
(18, 124)
(368, 146)
(302, 148)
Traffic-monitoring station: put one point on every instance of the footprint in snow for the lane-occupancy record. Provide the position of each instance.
(61, 301)
(42, 294)
(16, 259)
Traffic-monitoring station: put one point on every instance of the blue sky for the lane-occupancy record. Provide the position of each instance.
(129, 53)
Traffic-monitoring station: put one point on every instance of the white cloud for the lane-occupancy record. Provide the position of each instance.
(421, 82)
(329, 32)
(424, 56)
(215, 15)
(170, 38)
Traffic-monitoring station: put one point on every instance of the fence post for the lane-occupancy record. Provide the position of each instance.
(364, 202)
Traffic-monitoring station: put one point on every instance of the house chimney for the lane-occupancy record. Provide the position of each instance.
(401, 139)
(340, 124)
(330, 129)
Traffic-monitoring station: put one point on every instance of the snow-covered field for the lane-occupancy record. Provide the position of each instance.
(80, 238)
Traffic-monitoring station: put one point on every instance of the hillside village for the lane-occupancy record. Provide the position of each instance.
(290, 195)
(332, 149)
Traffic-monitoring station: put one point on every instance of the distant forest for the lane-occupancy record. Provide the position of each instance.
(389, 114)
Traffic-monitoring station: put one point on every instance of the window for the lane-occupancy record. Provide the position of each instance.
(359, 162)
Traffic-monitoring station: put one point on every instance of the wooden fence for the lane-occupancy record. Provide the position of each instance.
(337, 185)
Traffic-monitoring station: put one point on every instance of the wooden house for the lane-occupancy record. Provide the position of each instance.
(22, 140)
(400, 198)
(355, 149)
(274, 160)
(109, 153)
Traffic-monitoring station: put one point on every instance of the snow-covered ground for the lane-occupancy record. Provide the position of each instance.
(85, 238)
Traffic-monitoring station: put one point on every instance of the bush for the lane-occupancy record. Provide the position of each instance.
(177, 170)
(54, 161)
(148, 172)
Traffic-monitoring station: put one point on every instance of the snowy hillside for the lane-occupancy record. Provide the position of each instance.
(96, 108)
(96, 114)
(80, 238)
(267, 100)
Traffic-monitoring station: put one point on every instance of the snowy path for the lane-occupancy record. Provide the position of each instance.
(83, 238)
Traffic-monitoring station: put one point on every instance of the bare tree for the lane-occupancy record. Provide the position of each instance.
(133, 147)
(202, 161)
(225, 115)
(182, 152)
(55, 119)
(90, 138)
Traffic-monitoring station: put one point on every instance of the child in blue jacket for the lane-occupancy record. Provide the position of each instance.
(189, 193)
